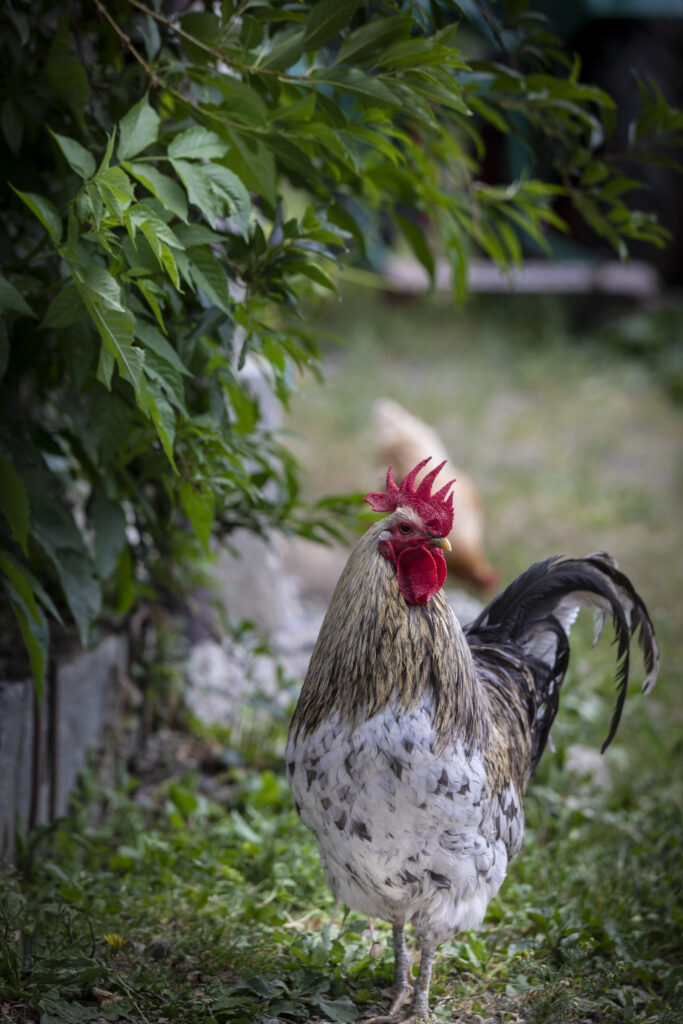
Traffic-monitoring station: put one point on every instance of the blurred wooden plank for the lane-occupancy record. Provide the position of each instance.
(637, 280)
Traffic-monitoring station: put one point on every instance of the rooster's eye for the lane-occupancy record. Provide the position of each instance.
(404, 528)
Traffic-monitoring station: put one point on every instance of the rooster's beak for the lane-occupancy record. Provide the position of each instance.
(441, 542)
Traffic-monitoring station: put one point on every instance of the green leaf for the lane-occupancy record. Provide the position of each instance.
(289, 46)
(167, 377)
(370, 90)
(150, 33)
(153, 339)
(317, 274)
(151, 290)
(163, 418)
(245, 103)
(342, 1009)
(116, 190)
(37, 588)
(105, 367)
(415, 237)
(245, 408)
(10, 298)
(450, 97)
(56, 1010)
(203, 25)
(138, 129)
(108, 153)
(14, 571)
(254, 163)
(420, 52)
(292, 156)
(209, 274)
(165, 189)
(29, 616)
(77, 156)
(488, 112)
(116, 327)
(298, 110)
(198, 505)
(81, 589)
(191, 235)
(56, 532)
(117, 331)
(159, 236)
(197, 144)
(14, 503)
(126, 582)
(184, 799)
(36, 637)
(65, 309)
(511, 241)
(326, 19)
(45, 211)
(199, 189)
(457, 257)
(109, 526)
(233, 192)
(110, 421)
(105, 287)
(342, 218)
(90, 205)
(370, 37)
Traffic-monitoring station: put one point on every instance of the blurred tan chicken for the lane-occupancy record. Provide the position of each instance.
(402, 441)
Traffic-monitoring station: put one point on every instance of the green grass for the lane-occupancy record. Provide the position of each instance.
(191, 911)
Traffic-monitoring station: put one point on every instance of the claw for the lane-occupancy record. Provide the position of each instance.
(403, 996)
(400, 1000)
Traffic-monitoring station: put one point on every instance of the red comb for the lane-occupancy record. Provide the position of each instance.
(436, 510)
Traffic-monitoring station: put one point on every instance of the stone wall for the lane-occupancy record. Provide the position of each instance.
(44, 749)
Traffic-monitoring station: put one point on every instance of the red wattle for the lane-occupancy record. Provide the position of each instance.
(420, 572)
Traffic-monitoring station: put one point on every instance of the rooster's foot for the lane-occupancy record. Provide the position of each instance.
(399, 997)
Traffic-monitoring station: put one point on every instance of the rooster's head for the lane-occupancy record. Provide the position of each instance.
(415, 534)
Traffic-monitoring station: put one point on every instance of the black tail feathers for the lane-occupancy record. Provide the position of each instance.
(536, 611)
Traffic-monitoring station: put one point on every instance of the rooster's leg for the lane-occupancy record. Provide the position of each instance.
(420, 1007)
(402, 988)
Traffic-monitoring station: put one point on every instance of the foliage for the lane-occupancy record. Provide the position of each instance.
(151, 249)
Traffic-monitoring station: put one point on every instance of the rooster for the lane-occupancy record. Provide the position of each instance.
(403, 440)
(412, 741)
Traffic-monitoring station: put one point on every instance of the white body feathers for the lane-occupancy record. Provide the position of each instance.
(404, 833)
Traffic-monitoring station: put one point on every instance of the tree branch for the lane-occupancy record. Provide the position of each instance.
(175, 28)
(128, 43)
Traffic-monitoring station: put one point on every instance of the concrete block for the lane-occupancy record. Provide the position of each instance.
(38, 770)
(16, 761)
(87, 699)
